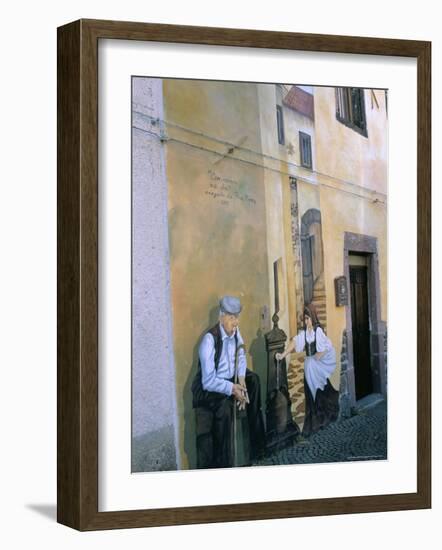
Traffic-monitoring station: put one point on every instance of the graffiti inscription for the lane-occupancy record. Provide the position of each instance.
(225, 190)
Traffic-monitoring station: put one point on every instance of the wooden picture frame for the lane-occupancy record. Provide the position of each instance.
(77, 225)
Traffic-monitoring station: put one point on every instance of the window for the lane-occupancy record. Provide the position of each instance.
(307, 251)
(350, 108)
(280, 123)
(305, 147)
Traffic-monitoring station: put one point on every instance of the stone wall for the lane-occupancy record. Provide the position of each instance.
(344, 392)
(345, 399)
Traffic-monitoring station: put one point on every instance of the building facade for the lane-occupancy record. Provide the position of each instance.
(273, 193)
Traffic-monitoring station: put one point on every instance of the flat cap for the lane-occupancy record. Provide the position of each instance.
(230, 304)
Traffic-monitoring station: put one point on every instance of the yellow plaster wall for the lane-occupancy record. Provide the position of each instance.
(296, 122)
(308, 197)
(307, 194)
(342, 212)
(347, 156)
(281, 162)
(275, 200)
(344, 153)
(217, 227)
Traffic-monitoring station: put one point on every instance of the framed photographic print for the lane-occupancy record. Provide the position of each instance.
(244, 320)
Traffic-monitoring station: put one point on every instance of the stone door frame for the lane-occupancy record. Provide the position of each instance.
(365, 244)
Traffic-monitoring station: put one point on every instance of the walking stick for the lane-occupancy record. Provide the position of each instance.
(235, 406)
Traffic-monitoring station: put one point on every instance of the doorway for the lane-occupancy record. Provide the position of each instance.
(312, 258)
(360, 330)
(365, 365)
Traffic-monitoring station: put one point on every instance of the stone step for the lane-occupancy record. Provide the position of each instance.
(319, 292)
(369, 402)
(322, 319)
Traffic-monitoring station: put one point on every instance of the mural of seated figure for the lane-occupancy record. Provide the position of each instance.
(223, 382)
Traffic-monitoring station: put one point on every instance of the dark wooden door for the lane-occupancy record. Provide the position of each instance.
(307, 245)
(361, 331)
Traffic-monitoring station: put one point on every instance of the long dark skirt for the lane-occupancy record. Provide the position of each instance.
(323, 410)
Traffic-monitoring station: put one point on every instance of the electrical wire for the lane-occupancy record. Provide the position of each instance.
(229, 144)
(163, 138)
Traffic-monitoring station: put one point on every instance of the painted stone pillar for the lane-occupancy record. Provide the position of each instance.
(154, 417)
(345, 400)
(280, 427)
(296, 243)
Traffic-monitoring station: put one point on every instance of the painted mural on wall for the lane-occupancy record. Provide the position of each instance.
(248, 201)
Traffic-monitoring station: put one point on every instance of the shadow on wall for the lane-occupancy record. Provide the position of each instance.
(189, 412)
(257, 353)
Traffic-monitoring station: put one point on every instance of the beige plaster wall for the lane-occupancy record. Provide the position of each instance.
(217, 226)
(274, 183)
(344, 156)
(351, 173)
(343, 212)
(344, 153)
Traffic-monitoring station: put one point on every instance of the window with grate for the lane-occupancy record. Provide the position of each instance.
(280, 124)
(350, 108)
(305, 148)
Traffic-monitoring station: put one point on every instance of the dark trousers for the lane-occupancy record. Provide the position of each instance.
(214, 423)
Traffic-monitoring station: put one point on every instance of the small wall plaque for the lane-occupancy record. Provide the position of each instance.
(341, 291)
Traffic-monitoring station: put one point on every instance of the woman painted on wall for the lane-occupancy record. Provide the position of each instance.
(321, 399)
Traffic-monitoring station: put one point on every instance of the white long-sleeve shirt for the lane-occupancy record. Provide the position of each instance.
(219, 380)
(317, 371)
(322, 342)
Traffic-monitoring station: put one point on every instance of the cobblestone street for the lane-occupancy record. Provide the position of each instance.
(361, 437)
